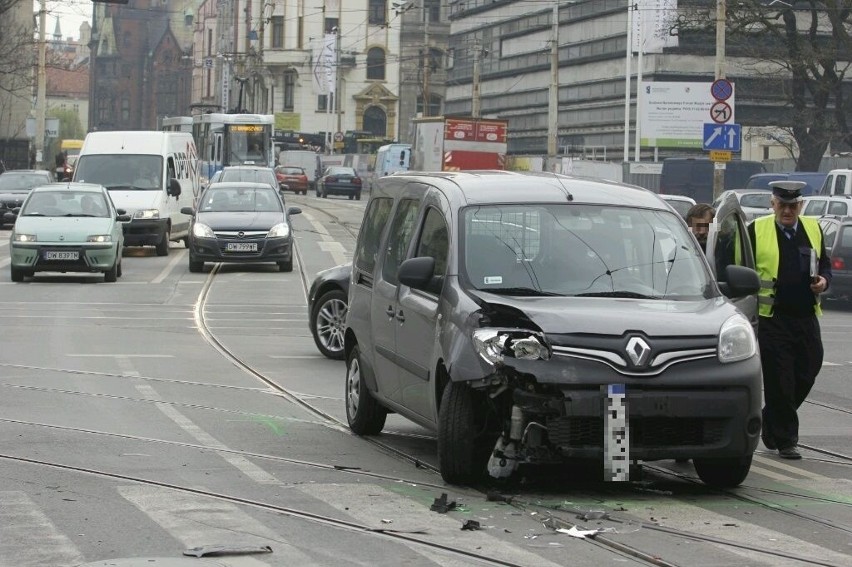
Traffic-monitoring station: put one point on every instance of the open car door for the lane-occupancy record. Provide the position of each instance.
(728, 244)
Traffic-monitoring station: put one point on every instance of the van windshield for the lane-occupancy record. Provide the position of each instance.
(122, 171)
(582, 250)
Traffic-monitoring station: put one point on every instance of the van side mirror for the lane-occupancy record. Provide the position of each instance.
(123, 218)
(741, 281)
(120, 212)
(417, 273)
(294, 211)
(174, 187)
(187, 211)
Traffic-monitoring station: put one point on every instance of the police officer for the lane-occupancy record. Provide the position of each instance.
(788, 304)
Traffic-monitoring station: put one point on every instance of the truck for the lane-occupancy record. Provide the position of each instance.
(306, 159)
(454, 144)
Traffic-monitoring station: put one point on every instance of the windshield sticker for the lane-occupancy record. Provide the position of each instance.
(490, 280)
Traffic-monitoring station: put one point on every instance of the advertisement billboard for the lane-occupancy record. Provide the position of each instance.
(672, 115)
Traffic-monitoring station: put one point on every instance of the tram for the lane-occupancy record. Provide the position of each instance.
(233, 139)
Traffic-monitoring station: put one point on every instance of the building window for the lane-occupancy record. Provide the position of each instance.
(434, 106)
(765, 152)
(289, 90)
(330, 24)
(277, 32)
(376, 63)
(376, 121)
(431, 10)
(322, 101)
(378, 11)
(125, 109)
(104, 110)
(300, 32)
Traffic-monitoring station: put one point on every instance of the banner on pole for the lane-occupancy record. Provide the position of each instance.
(325, 65)
(653, 23)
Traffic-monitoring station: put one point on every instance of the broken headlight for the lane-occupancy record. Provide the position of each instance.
(493, 345)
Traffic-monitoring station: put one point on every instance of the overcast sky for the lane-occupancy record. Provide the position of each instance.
(71, 14)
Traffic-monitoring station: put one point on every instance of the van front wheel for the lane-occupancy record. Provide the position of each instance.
(465, 440)
(163, 245)
(723, 473)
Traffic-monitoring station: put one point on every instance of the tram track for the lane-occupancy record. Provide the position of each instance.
(326, 419)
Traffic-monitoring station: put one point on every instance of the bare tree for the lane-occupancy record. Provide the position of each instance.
(801, 50)
(17, 46)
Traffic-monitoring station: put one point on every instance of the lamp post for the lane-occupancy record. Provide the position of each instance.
(719, 73)
(41, 94)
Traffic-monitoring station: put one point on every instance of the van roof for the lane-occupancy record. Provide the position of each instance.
(494, 186)
(132, 142)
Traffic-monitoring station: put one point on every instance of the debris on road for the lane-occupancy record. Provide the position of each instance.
(494, 496)
(219, 550)
(471, 525)
(442, 505)
(593, 515)
(574, 531)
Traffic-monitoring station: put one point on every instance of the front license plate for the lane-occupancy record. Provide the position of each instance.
(241, 247)
(63, 255)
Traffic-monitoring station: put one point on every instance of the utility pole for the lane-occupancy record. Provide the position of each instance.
(427, 61)
(41, 95)
(475, 95)
(337, 82)
(553, 97)
(721, 16)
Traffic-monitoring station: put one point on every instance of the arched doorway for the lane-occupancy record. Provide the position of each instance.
(376, 121)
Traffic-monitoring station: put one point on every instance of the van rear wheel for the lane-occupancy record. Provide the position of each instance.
(163, 245)
(365, 415)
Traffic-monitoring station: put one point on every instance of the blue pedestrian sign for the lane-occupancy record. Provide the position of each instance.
(722, 137)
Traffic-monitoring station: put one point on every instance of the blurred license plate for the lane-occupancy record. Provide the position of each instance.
(55, 255)
(241, 247)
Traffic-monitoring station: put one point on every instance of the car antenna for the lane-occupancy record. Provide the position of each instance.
(565, 190)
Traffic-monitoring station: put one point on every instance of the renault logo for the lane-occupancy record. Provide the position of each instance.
(638, 351)
(241, 234)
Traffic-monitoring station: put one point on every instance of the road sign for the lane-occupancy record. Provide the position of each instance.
(720, 155)
(338, 136)
(722, 137)
(721, 89)
(721, 112)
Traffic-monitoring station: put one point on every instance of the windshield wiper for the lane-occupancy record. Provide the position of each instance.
(111, 187)
(34, 215)
(78, 215)
(522, 291)
(626, 294)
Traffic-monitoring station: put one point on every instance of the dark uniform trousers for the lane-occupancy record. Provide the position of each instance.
(791, 354)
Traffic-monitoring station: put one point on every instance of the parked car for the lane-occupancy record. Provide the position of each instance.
(817, 206)
(754, 202)
(531, 318)
(339, 180)
(813, 180)
(837, 237)
(327, 307)
(241, 222)
(292, 178)
(679, 203)
(16, 184)
(67, 227)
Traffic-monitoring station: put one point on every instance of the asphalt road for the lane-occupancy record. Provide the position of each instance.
(172, 411)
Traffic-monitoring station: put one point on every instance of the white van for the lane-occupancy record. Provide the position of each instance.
(837, 182)
(307, 160)
(391, 158)
(151, 175)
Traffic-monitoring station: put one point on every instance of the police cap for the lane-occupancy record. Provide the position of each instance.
(787, 191)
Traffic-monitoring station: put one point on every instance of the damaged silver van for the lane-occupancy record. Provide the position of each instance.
(537, 318)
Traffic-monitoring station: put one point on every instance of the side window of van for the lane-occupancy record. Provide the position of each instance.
(829, 233)
(399, 238)
(837, 208)
(371, 234)
(434, 240)
(839, 184)
(815, 208)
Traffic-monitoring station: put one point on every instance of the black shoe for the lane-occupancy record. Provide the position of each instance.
(770, 443)
(789, 453)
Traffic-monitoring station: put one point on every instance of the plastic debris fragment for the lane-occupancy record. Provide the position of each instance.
(218, 550)
(442, 505)
(471, 525)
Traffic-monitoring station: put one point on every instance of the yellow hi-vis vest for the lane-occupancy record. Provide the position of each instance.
(767, 257)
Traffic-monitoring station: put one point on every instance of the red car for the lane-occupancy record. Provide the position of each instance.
(292, 178)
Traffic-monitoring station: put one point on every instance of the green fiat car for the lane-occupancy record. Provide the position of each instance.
(67, 227)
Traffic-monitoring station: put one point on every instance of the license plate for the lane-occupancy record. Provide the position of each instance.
(57, 255)
(241, 247)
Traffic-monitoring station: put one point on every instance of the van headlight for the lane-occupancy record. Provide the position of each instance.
(101, 238)
(493, 345)
(147, 214)
(24, 237)
(736, 340)
(201, 230)
(280, 230)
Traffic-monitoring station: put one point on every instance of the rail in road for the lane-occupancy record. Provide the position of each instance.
(791, 518)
